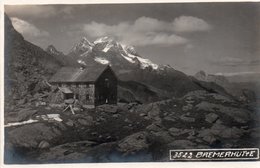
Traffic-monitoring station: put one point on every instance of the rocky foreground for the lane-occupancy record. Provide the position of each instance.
(129, 132)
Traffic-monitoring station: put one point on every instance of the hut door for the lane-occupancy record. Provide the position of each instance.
(107, 91)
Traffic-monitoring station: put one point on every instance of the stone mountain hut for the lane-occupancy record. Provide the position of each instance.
(91, 85)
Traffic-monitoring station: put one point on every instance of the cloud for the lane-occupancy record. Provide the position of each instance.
(27, 29)
(148, 31)
(237, 73)
(67, 10)
(190, 24)
(231, 61)
(38, 11)
(143, 31)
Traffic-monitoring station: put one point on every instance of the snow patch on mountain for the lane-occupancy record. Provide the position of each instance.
(108, 46)
(83, 46)
(102, 40)
(130, 57)
(101, 60)
(87, 52)
(82, 62)
(147, 63)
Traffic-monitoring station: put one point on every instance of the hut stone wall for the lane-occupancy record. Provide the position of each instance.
(84, 92)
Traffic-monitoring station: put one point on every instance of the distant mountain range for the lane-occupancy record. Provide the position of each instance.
(241, 86)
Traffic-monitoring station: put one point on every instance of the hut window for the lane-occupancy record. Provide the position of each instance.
(87, 97)
(107, 82)
(68, 95)
(81, 86)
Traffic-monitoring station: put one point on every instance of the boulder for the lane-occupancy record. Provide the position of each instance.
(182, 144)
(210, 138)
(22, 101)
(222, 131)
(70, 123)
(87, 121)
(19, 116)
(211, 117)
(152, 111)
(163, 136)
(178, 131)
(233, 132)
(29, 136)
(237, 114)
(154, 127)
(187, 107)
(187, 119)
(170, 118)
(43, 145)
(107, 108)
(66, 151)
(115, 115)
(134, 143)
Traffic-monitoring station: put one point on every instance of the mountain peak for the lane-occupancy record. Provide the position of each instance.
(84, 40)
(52, 50)
(104, 39)
(81, 47)
(106, 50)
(130, 49)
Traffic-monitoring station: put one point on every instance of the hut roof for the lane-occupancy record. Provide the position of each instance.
(75, 74)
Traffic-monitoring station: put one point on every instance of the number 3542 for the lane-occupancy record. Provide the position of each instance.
(181, 155)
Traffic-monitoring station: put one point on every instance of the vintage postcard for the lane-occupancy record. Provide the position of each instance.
(151, 82)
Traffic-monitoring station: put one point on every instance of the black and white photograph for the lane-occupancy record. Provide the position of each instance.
(131, 83)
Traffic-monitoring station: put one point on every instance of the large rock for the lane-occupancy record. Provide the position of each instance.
(66, 152)
(87, 121)
(134, 143)
(82, 119)
(107, 108)
(43, 145)
(187, 107)
(219, 130)
(21, 115)
(29, 136)
(178, 131)
(162, 136)
(182, 144)
(195, 95)
(211, 117)
(238, 114)
(154, 127)
(152, 111)
(187, 119)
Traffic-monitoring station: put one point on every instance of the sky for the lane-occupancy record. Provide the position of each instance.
(213, 37)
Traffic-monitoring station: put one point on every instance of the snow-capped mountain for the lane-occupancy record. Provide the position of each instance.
(80, 48)
(106, 50)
